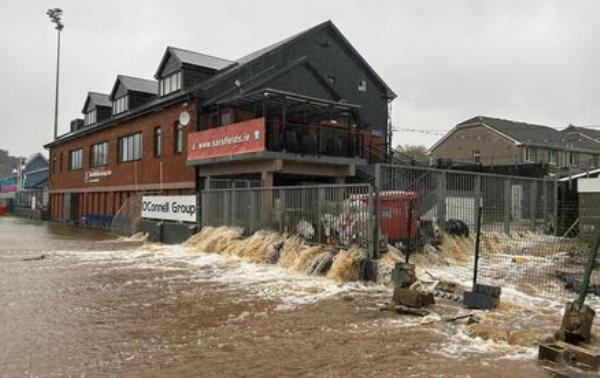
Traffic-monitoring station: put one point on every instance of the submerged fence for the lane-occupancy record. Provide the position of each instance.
(524, 242)
(329, 214)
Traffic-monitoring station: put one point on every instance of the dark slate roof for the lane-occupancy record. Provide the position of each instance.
(137, 84)
(194, 59)
(249, 58)
(532, 134)
(589, 132)
(98, 99)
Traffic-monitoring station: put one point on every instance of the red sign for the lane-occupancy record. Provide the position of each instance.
(237, 138)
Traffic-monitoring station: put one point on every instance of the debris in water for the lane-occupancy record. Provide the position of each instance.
(37, 258)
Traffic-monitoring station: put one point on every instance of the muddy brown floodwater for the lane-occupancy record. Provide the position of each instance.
(100, 305)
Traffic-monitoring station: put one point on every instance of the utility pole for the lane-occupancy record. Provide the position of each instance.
(55, 15)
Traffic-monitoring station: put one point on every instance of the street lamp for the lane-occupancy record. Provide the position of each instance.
(55, 15)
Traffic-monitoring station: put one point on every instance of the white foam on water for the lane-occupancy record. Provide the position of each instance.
(265, 281)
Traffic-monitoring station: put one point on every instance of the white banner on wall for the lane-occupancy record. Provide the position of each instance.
(175, 208)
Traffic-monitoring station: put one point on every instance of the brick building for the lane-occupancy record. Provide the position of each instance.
(493, 142)
(306, 109)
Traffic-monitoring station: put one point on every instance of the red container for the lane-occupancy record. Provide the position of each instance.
(2, 210)
(398, 215)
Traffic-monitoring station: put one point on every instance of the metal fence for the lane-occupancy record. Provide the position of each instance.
(32, 197)
(520, 245)
(233, 183)
(330, 214)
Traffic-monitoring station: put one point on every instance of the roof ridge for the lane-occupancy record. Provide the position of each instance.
(199, 53)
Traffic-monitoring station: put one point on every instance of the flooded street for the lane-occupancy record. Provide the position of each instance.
(97, 304)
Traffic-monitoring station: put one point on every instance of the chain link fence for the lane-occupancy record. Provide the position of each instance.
(521, 244)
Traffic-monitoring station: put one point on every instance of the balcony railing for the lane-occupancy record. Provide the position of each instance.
(314, 140)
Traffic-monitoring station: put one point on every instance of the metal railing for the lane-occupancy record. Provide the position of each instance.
(329, 214)
(25, 198)
(314, 140)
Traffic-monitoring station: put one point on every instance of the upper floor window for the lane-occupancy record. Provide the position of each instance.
(157, 139)
(130, 147)
(90, 117)
(76, 159)
(225, 119)
(120, 105)
(99, 154)
(573, 159)
(170, 84)
(178, 138)
(552, 156)
(477, 156)
(531, 154)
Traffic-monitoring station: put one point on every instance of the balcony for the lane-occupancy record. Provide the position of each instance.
(281, 125)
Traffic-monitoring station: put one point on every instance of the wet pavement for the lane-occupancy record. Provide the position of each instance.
(101, 305)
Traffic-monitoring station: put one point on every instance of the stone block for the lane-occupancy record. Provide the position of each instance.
(411, 298)
(490, 290)
(552, 352)
(576, 325)
(404, 274)
(480, 301)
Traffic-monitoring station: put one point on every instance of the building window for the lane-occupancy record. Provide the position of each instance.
(477, 156)
(573, 157)
(178, 138)
(595, 162)
(54, 160)
(530, 154)
(99, 154)
(362, 85)
(76, 159)
(90, 117)
(170, 84)
(130, 147)
(552, 156)
(120, 105)
(157, 148)
(60, 165)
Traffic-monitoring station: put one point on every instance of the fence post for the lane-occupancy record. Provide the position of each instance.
(588, 271)
(371, 224)
(441, 203)
(555, 207)
(375, 207)
(545, 203)
(507, 206)
(477, 203)
(320, 199)
(282, 195)
(477, 244)
(533, 203)
(198, 210)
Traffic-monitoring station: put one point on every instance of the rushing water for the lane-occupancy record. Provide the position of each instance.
(101, 305)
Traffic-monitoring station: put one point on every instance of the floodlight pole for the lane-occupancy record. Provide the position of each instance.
(57, 77)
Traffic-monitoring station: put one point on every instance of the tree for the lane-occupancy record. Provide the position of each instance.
(414, 152)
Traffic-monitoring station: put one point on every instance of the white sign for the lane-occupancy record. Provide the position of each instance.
(175, 208)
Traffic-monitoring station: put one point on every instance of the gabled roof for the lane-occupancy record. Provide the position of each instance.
(589, 132)
(192, 58)
(98, 99)
(271, 49)
(526, 134)
(135, 84)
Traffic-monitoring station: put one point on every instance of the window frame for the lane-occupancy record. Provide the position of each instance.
(126, 148)
(529, 153)
(171, 83)
(73, 158)
(93, 158)
(551, 154)
(91, 117)
(178, 145)
(120, 105)
(157, 141)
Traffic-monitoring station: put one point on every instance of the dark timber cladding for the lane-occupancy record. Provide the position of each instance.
(310, 105)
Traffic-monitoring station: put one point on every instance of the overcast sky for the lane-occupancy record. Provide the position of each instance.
(534, 61)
